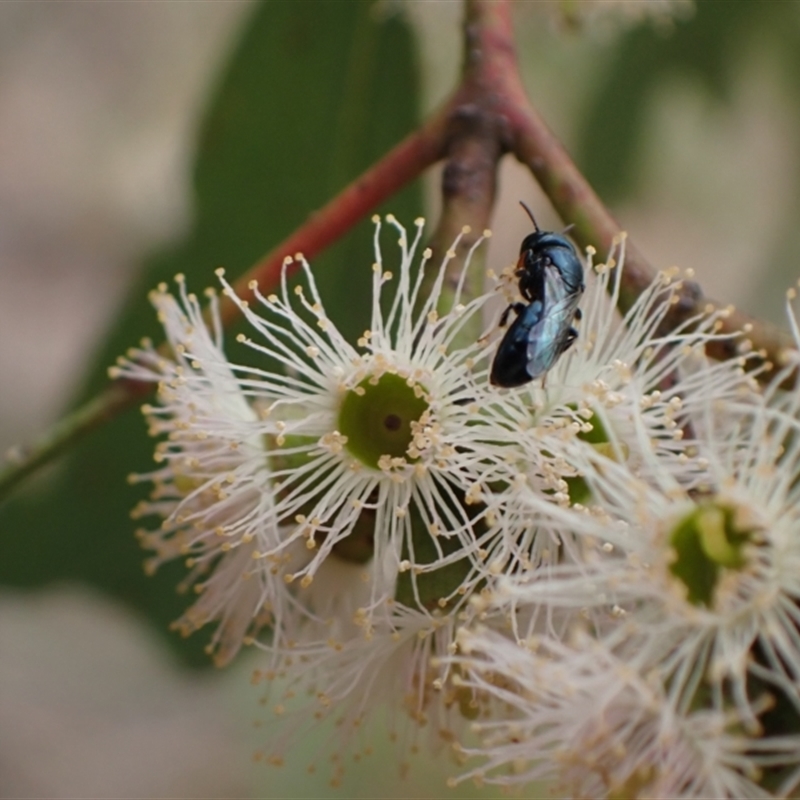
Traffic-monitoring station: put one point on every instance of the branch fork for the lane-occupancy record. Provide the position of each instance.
(488, 115)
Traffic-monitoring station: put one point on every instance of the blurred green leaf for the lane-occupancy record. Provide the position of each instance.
(706, 48)
(314, 93)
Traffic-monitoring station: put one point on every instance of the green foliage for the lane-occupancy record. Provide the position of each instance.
(314, 93)
(705, 48)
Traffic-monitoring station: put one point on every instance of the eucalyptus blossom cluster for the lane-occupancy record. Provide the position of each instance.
(590, 581)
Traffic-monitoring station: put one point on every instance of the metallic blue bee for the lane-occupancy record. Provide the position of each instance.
(551, 280)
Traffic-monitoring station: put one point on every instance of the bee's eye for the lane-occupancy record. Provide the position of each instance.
(532, 258)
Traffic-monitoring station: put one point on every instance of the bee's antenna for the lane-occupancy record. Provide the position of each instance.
(530, 214)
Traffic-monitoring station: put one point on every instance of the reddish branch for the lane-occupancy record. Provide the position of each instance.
(493, 85)
(401, 165)
(405, 162)
(488, 115)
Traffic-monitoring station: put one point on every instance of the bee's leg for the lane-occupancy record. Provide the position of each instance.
(531, 282)
(517, 308)
(578, 314)
(569, 340)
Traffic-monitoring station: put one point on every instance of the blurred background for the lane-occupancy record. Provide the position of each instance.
(142, 139)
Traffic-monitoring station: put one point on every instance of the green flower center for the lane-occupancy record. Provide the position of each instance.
(705, 542)
(377, 415)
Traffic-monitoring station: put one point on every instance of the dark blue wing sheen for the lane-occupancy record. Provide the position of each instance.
(551, 334)
(510, 365)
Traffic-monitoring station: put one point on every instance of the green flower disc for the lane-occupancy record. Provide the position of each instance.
(706, 541)
(376, 418)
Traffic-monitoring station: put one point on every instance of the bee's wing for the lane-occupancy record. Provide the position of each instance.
(549, 337)
(510, 364)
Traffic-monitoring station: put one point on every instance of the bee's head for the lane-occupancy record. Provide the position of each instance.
(543, 249)
(555, 248)
(540, 242)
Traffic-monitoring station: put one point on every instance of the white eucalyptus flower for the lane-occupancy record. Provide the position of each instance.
(626, 389)
(371, 454)
(623, 370)
(339, 671)
(211, 484)
(345, 507)
(707, 580)
(593, 718)
(370, 443)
